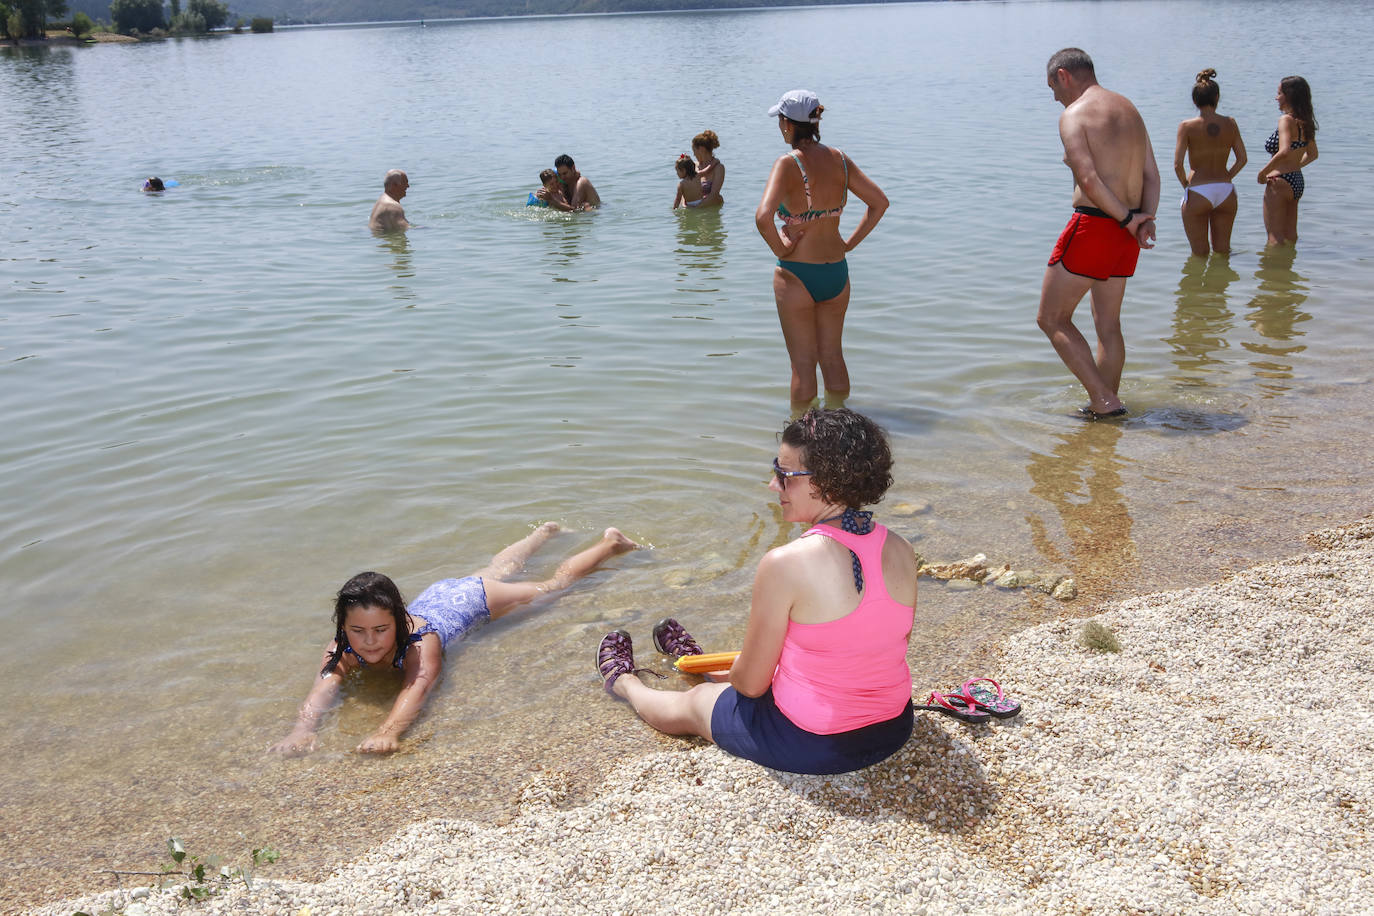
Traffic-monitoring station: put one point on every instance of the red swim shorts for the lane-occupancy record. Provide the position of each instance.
(1096, 247)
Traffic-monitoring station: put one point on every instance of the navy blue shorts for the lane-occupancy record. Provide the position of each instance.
(755, 729)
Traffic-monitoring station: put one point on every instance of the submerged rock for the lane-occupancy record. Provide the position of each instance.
(974, 568)
(678, 578)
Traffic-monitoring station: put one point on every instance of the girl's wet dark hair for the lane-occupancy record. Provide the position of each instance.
(685, 166)
(368, 589)
(708, 139)
(805, 130)
(1299, 96)
(847, 454)
(1205, 89)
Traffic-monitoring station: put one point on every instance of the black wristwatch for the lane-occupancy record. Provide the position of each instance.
(1126, 220)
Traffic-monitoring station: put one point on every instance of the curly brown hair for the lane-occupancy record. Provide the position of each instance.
(847, 454)
(708, 139)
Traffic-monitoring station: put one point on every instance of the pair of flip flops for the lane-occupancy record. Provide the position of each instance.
(978, 700)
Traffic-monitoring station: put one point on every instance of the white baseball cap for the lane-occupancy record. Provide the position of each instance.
(797, 105)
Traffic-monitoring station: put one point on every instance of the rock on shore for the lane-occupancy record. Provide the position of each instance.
(1220, 763)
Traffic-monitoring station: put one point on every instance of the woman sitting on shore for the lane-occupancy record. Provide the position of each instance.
(1209, 197)
(373, 626)
(821, 684)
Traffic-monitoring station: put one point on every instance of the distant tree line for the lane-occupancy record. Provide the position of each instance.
(404, 10)
(321, 11)
(29, 18)
(146, 16)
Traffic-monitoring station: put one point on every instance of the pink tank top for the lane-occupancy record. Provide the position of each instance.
(844, 674)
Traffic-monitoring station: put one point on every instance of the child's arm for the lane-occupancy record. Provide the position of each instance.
(677, 198)
(422, 666)
(558, 200)
(318, 702)
(717, 181)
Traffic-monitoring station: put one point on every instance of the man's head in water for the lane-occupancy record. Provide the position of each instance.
(396, 184)
(567, 169)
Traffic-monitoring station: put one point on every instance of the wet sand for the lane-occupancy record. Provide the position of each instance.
(475, 764)
(1198, 770)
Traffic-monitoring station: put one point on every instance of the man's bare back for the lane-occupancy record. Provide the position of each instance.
(387, 213)
(1105, 139)
(1115, 193)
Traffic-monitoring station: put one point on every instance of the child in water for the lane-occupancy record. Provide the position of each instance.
(373, 627)
(688, 186)
(551, 190)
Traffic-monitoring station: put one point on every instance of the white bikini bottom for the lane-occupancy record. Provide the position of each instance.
(1216, 192)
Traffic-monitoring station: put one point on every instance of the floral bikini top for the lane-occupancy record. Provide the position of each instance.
(793, 219)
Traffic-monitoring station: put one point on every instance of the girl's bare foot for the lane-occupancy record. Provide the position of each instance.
(619, 542)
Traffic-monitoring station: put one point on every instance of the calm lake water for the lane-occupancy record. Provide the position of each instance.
(222, 401)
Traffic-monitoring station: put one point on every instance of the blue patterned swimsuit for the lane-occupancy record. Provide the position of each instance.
(450, 607)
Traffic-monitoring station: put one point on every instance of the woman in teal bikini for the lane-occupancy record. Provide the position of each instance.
(807, 191)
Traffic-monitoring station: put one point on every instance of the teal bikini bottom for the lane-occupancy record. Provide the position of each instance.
(822, 281)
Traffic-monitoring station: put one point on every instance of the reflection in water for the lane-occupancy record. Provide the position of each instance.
(1201, 320)
(399, 246)
(564, 232)
(700, 257)
(700, 244)
(1082, 481)
(39, 76)
(1275, 313)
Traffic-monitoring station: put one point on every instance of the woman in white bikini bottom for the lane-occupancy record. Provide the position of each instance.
(1215, 192)
(1208, 156)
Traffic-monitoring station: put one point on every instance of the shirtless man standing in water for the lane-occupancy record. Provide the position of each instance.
(387, 214)
(1115, 194)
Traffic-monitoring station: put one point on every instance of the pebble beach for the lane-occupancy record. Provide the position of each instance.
(1219, 763)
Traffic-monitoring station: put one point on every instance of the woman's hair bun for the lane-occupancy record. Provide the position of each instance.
(1206, 76)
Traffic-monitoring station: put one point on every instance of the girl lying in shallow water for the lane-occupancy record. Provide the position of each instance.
(373, 626)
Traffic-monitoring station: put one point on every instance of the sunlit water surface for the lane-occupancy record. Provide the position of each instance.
(223, 400)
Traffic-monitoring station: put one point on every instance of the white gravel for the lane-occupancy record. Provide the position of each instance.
(1219, 764)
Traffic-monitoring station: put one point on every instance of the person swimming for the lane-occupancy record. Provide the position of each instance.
(688, 185)
(374, 628)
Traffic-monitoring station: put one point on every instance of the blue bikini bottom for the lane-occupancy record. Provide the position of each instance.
(822, 281)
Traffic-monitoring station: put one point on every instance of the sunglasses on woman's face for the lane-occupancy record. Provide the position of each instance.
(782, 475)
